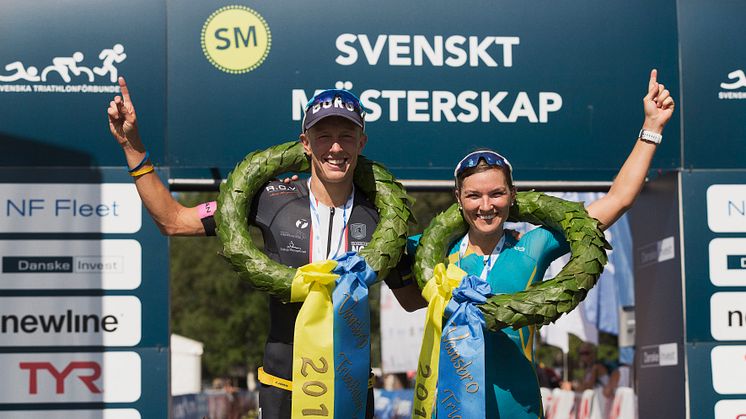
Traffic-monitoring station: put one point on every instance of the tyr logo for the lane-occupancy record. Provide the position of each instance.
(93, 370)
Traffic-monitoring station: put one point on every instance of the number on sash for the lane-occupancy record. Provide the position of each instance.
(322, 411)
(314, 388)
(421, 392)
(307, 361)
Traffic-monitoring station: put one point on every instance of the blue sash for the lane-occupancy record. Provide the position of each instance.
(461, 385)
(351, 335)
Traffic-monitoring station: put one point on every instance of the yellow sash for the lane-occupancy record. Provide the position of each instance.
(313, 348)
(437, 293)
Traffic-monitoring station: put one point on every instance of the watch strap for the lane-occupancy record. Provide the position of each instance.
(650, 136)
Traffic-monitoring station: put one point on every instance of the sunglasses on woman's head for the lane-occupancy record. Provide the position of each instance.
(489, 157)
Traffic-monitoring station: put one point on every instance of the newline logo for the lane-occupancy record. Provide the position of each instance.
(62, 323)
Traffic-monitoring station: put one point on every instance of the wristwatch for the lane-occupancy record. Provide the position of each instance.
(650, 136)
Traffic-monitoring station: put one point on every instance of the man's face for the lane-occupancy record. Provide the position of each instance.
(333, 144)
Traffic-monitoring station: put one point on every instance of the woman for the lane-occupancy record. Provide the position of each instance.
(485, 192)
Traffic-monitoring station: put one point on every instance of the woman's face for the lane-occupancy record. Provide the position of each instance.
(486, 198)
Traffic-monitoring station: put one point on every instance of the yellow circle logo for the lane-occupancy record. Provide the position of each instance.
(236, 39)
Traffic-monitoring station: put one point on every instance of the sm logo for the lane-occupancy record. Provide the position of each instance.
(85, 371)
(236, 39)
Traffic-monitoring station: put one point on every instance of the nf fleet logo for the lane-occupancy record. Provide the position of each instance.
(737, 80)
(236, 39)
(76, 72)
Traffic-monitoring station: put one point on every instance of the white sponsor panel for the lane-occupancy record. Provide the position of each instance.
(728, 316)
(71, 414)
(669, 354)
(108, 377)
(663, 355)
(729, 369)
(728, 262)
(69, 208)
(70, 321)
(726, 208)
(70, 264)
(399, 329)
(656, 252)
(730, 409)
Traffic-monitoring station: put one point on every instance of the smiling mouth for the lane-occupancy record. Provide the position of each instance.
(338, 162)
(487, 217)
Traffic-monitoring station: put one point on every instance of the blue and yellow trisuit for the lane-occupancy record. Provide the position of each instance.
(509, 363)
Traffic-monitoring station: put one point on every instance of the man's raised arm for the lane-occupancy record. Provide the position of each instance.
(172, 218)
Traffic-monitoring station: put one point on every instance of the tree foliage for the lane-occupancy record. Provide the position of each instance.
(210, 304)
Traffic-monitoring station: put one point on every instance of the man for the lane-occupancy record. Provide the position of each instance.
(301, 221)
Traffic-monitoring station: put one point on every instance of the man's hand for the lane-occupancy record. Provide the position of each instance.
(658, 105)
(122, 119)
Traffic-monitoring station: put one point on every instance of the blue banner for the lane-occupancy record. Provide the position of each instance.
(461, 383)
(351, 335)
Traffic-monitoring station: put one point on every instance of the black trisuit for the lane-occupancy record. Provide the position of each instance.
(283, 214)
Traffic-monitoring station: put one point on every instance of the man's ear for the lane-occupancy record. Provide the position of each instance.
(306, 143)
(363, 141)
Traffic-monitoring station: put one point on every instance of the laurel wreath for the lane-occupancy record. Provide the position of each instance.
(257, 168)
(546, 301)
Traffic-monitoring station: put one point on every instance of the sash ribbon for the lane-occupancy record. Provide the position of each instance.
(437, 293)
(461, 386)
(351, 335)
(331, 353)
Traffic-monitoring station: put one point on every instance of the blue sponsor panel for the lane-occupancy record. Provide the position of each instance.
(714, 213)
(713, 65)
(58, 69)
(556, 87)
(717, 389)
(84, 294)
(714, 223)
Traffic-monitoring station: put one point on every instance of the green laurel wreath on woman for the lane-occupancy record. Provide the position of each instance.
(257, 168)
(543, 302)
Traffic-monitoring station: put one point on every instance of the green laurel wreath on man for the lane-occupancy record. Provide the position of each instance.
(257, 168)
(543, 302)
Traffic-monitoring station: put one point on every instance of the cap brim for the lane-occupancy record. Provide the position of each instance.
(335, 112)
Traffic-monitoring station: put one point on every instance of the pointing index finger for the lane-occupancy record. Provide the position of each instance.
(652, 84)
(125, 90)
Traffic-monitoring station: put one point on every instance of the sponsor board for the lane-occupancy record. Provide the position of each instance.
(108, 377)
(728, 315)
(71, 414)
(657, 252)
(663, 355)
(730, 409)
(728, 262)
(726, 208)
(729, 369)
(70, 264)
(69, 208)
(70, 321)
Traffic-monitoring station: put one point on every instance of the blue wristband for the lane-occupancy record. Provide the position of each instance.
(141, 164)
